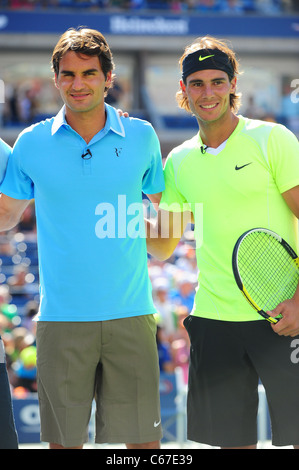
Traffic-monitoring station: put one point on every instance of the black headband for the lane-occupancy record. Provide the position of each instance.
(204, 59)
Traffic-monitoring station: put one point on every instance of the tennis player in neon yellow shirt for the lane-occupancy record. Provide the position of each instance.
(234, 175)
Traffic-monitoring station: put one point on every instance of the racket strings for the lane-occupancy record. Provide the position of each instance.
(267, 270)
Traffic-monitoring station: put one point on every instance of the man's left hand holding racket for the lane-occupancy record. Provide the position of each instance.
(288, 325)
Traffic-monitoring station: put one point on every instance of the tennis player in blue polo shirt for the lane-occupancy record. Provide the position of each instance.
(87, 168)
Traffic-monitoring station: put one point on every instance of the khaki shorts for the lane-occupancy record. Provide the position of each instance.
(115, 362)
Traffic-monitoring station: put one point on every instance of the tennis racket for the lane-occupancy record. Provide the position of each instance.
(266, 270)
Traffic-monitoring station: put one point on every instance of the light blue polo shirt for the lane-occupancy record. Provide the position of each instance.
(90, 228)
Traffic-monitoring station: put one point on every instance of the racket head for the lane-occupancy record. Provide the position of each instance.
(266, 270)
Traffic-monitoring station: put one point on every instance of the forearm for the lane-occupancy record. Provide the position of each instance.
(7, 221)
(10, 212)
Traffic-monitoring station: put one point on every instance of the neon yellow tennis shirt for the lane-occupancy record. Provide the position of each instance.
(236, 189)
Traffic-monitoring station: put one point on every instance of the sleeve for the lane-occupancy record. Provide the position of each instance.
(283, 157)
(16, 183)
(153, 179)
(5, 152)
(172, 199)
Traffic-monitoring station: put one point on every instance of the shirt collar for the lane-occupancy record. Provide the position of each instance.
(59, 120)
(113, 121)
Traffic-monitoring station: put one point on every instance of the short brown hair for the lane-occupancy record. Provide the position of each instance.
(208, 42)
(84, 41)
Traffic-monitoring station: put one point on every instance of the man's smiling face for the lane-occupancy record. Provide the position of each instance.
(208, 93)
(81, 82)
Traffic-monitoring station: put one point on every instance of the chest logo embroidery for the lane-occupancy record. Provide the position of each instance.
(242, 166)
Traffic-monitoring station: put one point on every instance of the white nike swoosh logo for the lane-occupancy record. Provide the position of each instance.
(156, 424)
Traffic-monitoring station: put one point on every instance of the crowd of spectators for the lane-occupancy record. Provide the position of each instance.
(19, 297)
(201, 6)
(19, 106)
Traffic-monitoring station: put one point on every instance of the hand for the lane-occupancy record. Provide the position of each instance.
(122, 113)
(288, 325)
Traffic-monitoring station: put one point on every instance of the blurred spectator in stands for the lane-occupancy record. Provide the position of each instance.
(22, 339)
(31, 309)
(15, 341)
(21, 282)
(18, 279)
(9, 311)
(25, 369)
(180, 344)
(114, 94)
(177, 6)
(115, 4)
(186, 259)
(253, 111)
(164, 351)
(136, 4)
(22, 288)
(158, 269)
(232, 6)
(5, 324)
(184, 294)
(4, 298)
(27, 223)
(27, 106)
(290, 106)
(294, 5)
(249, 6)
(9, 346)
(7, 248)
(207, 6)
(189, 4)
(268, 6)
(28, 4)
(11, 109)
(80, 3)
(165, 314)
